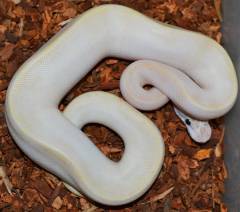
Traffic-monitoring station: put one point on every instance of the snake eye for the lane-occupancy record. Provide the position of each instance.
(188, 122)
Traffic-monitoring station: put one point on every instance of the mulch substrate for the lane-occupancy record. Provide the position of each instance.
(192, 177)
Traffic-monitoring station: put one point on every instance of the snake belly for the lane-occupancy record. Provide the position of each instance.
(54, 141)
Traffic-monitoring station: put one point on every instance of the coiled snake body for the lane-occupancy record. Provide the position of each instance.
(198, 77)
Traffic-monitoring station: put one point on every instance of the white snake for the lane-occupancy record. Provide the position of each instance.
(53, 139)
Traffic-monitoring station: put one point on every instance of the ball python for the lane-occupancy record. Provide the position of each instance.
(53, 139)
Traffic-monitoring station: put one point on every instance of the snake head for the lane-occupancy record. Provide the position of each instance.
(200, 131)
